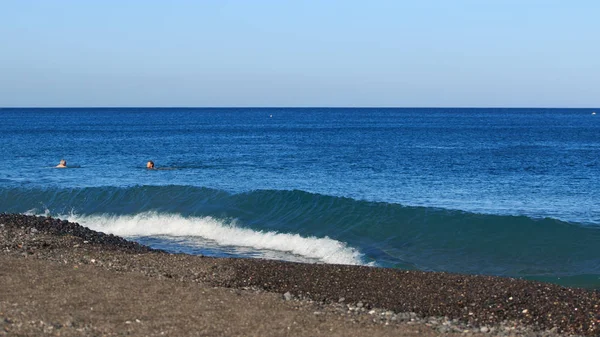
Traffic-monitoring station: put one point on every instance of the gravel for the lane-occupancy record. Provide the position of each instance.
(449, 303)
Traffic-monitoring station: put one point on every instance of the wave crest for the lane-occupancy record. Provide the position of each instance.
(153, 224)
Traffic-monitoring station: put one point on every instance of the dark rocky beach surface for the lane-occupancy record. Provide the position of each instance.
(59, 278)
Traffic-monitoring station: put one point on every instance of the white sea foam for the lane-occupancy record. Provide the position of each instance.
(153, 224)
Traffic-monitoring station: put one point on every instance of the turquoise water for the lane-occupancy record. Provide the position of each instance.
(510, 192)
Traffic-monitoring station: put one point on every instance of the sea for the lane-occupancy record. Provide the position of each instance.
(507, 192)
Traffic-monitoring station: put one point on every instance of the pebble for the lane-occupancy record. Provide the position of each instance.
(465, 300)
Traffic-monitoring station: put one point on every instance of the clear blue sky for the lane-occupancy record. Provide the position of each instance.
(482, 53)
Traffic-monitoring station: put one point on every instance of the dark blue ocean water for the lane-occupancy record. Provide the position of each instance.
(511, 192)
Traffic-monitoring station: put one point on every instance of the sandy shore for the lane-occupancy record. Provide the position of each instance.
(58, 278)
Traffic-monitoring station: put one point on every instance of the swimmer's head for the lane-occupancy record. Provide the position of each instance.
(150, 164)
(62, 163)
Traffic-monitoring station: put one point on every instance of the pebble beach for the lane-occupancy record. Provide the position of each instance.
(60, 278)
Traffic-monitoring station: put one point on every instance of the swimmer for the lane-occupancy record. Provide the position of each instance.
(62, 164)
(150, 165)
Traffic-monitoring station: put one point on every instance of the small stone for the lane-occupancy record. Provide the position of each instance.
(359, 304)
(444, 329)
(341, 300)
(484, 329)
(288, 296)
(525, 311)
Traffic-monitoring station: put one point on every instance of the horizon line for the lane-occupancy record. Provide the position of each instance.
(292, 107)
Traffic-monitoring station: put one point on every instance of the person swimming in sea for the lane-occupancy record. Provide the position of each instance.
(62, 164)
(150, 166)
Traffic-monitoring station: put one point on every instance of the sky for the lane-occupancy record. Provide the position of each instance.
(303, 53)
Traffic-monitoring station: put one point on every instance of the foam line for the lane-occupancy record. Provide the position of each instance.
(325, 250)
